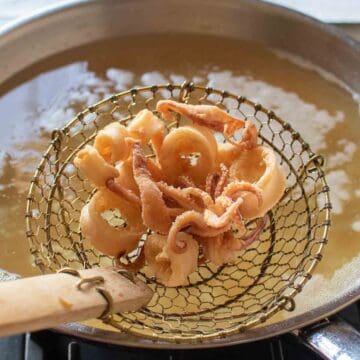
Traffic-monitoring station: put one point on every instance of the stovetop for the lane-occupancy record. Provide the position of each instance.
(48, 345)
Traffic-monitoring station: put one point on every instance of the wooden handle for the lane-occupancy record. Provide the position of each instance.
(44, 301)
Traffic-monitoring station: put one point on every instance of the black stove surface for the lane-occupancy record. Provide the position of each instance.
(48, 345)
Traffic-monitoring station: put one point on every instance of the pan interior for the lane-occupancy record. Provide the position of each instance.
(48, 94)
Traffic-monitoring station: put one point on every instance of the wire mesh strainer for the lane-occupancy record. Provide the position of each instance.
(216, 301)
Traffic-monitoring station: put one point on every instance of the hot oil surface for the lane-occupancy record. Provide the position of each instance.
(49, 94)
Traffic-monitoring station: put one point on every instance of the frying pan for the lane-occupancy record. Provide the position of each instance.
(78, 22)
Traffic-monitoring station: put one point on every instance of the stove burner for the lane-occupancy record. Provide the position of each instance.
(48, 345)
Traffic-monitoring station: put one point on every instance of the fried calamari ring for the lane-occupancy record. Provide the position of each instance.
(147, 127)
(259, 166)
(154, 213)
(94, 167)
(169, 267)
(186, 151)
(113, 143)
(103, 236)
(205, 115)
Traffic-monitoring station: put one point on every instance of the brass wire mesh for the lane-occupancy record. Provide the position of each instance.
(216, 301)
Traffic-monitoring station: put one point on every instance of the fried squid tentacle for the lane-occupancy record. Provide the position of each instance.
(222, 181)
(199, 195)
(254, 235)
(192, 222)
(207, 231)
(211, 183)
(190, 198)
(249, 137)
(185, 181)
(179, 196)
(239, 223)
(215, 249)
(204, 115)
(229, 151)
(154, 213)
(237, 188)
(170, 267)
(215, 221)
(222, 249)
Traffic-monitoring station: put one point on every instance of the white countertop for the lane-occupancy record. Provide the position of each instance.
(344, 13)
(331, 11)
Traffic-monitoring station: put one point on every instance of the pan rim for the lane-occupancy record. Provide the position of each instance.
(252, 334)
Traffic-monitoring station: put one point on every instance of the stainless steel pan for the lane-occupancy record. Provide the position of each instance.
(80, 22)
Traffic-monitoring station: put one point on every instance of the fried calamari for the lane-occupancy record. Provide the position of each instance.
(183, 192)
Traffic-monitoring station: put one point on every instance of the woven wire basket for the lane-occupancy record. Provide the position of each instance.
(216, 301)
